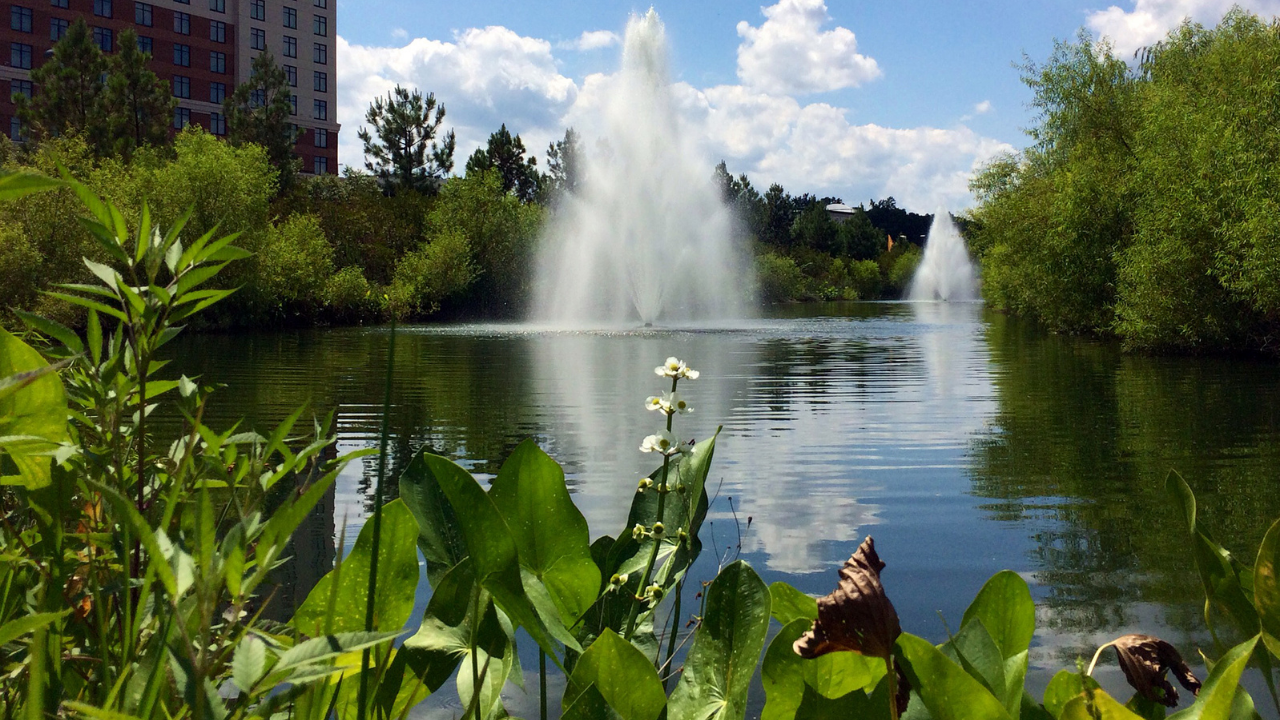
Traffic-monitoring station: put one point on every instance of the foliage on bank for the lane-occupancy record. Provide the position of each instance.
(1146, 207)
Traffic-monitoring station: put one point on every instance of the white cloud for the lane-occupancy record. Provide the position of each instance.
(791, 54)
(595, 39)
(1150, 20)
(485, 77)
(400, 34)
(982, 108)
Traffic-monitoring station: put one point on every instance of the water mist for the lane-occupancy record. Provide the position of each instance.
(945, 272)
(647, 238)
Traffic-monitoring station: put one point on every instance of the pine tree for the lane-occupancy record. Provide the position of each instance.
(141, 103)
(259, 112)
(70, 89)
(505, 154)
(402, 150)
(564, 166)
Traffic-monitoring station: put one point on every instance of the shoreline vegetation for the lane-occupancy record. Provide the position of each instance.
(1145, 208)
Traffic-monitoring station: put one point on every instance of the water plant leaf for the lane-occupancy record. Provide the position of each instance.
(1007, 611)
(1217, 696)
(726, 648)
(1266, 588)
(787, 677)
(1145, 661)
(1096, 705)
(945, 689)
(788, 604)
(1064, 687)
(397, 580)
(439, 532)
(857, 615)
(18, 627)
(624, 678)
(551, 535)
(33, 417)
(249, 662)
(490, 546)
(976, 651)
(18, 183)
(327, 647)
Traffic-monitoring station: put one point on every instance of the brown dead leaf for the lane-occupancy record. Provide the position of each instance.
(857, 616)
(1145, 660)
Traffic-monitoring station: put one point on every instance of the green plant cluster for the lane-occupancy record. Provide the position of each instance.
(133, 566)
(1145, 209)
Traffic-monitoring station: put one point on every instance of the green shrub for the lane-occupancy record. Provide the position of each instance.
(294, 262)
(902, 269)
(864, 279)
(424, 278)
(349, 298)
(780, 278)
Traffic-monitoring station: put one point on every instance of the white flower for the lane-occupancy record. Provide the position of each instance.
(665, 443)
(671, 368)
(689, 374)
(676, 403)
(653, 402)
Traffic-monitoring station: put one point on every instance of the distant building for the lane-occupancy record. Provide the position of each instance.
(840, 212)
(203, 49)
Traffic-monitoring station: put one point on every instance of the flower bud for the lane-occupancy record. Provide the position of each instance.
(659, 531)
(637, 532)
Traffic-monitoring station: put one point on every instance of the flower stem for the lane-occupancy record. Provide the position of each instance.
(542, 684)
(1094, 662)
(891, 677)
(663, 488)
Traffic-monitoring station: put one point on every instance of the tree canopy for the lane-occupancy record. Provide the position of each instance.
(402, 149)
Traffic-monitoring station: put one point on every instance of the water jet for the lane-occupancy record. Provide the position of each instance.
(946, 272)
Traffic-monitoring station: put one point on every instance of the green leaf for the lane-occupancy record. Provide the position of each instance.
(1105, 707)
(249, 662)
(1217, 695)
(52, 329)
(439, 532)
(551, 535)
(944, 687)
(785, 675)
(397, 580)
(36, 409)
(976, 651)
(328, 647)
(1005, 607)
(788, 604)
(622, 675)
(492, 550)
(726, 647)
(16, 628)
(1266, 588)
(1064, 687)
(16, 184)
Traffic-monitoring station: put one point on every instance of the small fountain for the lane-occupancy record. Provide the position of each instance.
(647, 238)
(946, 272)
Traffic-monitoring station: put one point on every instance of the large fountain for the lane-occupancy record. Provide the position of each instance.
(946, 271)
(647, 238)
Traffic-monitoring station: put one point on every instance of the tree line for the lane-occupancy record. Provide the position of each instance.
(1145, 207)
(410, 235)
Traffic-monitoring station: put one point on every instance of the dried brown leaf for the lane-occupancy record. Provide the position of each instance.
(1145, 660)
(856, 616)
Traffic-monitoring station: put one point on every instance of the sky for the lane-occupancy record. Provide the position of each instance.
(858, 100)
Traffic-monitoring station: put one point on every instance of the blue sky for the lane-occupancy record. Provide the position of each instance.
(855, 99)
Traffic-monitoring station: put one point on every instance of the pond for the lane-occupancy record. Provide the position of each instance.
(964, 442)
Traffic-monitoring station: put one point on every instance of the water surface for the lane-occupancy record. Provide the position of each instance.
(965, 443)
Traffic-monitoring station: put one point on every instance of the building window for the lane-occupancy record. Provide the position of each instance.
(217, 92)
(64, 4)
(21, 87)
(144, 44)
(320, 138)
(181, 87)
(291, 18)
(322, 3)
(218, 6)
(182, 23)
(257, 97)
(217, 31)
(257, 38)
(181, 55)
(57, 28)
(320, 54)
(321, 110)
(321, 165)
(102, 8)
(17, 133)
(291, 74)
(320, 82)
(181, 118)
(142, 14)
(20, 55)
(321, 26)
(218, 62)
(293, 104)
(104, 39)
(217, 123)
(258, 9)
(290, 46)
(183, 2)
(20, 19)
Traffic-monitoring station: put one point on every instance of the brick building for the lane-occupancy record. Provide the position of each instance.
(202, 48)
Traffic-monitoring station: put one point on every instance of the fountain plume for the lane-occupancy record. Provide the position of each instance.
(946, 272)
(647, 236)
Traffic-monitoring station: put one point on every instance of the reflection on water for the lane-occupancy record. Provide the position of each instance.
(965, 442)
